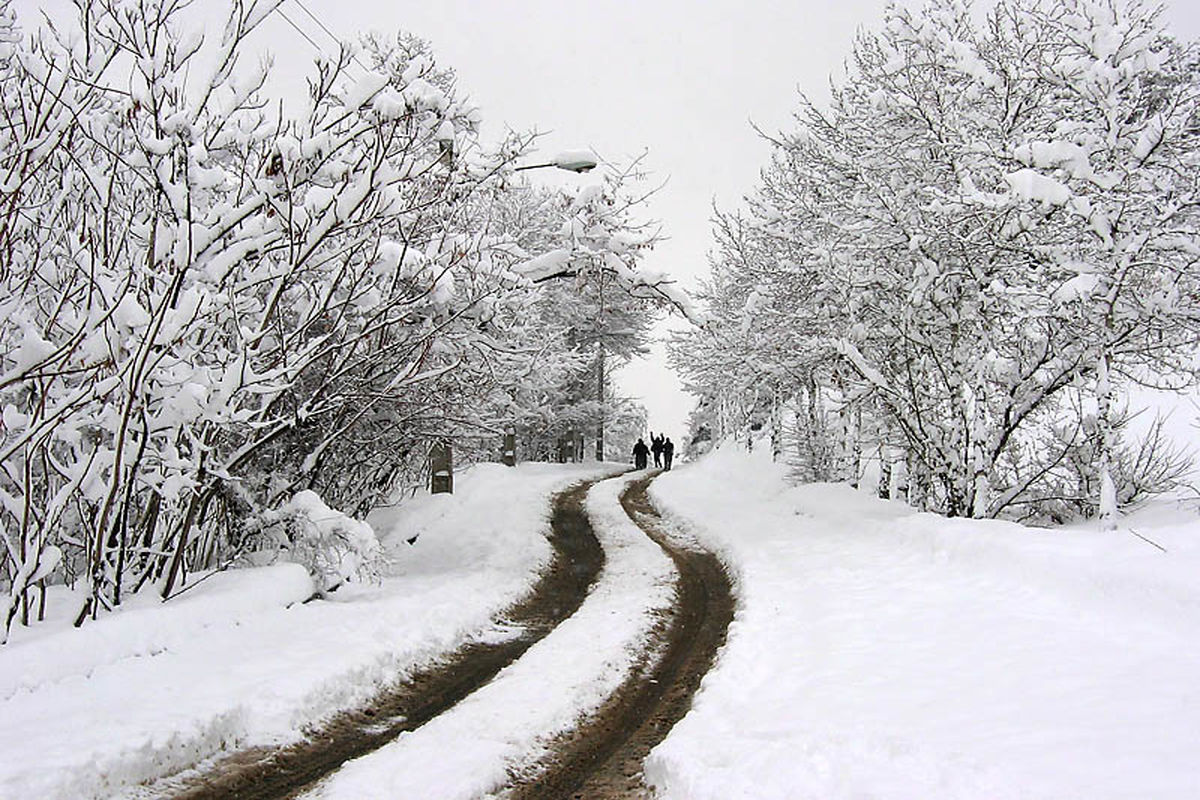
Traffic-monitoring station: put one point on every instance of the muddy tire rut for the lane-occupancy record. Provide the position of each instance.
(599, 760)
(273, 773)
(602, 759)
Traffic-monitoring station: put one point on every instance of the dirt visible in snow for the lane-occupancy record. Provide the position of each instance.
(602, 759)
(269, 774)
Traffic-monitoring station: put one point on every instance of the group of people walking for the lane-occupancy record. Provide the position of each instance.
(661, 446)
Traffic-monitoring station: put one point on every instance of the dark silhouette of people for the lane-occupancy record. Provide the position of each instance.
(639, 454)
(668, 452)
(656, 446)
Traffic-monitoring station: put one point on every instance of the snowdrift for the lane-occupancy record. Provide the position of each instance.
(239, 660)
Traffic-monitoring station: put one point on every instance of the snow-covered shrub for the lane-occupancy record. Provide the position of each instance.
(1144, 466)
(332, 546)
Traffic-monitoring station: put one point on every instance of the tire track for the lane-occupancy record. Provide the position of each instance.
(602, 759)
(275, 773)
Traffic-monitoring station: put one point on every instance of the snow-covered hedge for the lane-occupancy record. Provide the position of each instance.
(981, 236)
(208, 304)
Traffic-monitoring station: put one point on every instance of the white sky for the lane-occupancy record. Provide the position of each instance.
(682, 79)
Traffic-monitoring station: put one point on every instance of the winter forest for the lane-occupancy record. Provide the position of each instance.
(244, 334)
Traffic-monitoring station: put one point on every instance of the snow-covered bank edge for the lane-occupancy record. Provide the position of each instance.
(881, 652)
(239, 662)
(506, 727)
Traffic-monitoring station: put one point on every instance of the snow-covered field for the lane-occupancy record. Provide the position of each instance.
(882, 653)
(239, 660)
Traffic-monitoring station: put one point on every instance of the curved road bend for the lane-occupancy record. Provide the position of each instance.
(602, 760)
(274, 773)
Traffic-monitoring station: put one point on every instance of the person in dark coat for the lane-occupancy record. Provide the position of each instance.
(668, 451)
(656, 446)
(639, 454)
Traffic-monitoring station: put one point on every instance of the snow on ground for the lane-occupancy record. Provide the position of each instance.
(467, 751)
(882, 653)
(239, 660)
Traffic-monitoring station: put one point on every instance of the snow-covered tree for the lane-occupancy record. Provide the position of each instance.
(983, 217)
(211, 307)
(1120, 160)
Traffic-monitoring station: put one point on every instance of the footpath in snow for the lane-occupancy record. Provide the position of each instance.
(240, 661)
(882, 653)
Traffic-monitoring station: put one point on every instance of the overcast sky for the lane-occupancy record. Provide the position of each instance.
(682, 79)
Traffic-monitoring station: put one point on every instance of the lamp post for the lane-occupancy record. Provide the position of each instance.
(577, 161)
(600, 400)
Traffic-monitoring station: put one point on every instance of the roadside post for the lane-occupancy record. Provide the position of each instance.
(441, 468)
(509, 456)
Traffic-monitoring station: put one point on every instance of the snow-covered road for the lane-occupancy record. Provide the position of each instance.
(510, 722)
(875, 653)
(241, 662)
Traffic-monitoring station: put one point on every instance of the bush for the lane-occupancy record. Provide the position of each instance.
(332, 546)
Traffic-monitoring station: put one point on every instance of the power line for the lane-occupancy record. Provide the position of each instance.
(299, 30)
(320, 24)
(329, 33)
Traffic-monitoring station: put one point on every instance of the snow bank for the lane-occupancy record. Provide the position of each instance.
(878, 652)
(469, 750)
(239, 661)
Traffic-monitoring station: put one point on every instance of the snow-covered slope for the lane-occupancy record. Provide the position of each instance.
(878, 652)
(239, 660)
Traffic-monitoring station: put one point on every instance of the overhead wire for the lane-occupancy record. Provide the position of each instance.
(304, 34)
(304, 7)
(314, 18)
(299, 30)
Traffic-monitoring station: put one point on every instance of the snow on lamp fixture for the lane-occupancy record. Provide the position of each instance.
(570, 160)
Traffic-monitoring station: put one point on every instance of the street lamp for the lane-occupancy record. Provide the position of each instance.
(602, 334)
(441, 458)
(570, 160)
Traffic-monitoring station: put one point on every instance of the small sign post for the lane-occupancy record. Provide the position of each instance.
(441, 467)
(509, 456)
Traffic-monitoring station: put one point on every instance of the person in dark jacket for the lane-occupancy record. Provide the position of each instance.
(656, 446)
(668, 451)
(639, 454)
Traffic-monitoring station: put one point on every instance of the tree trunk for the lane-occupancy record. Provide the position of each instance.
(1105, 445)
(776, 425)
(981, 490)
